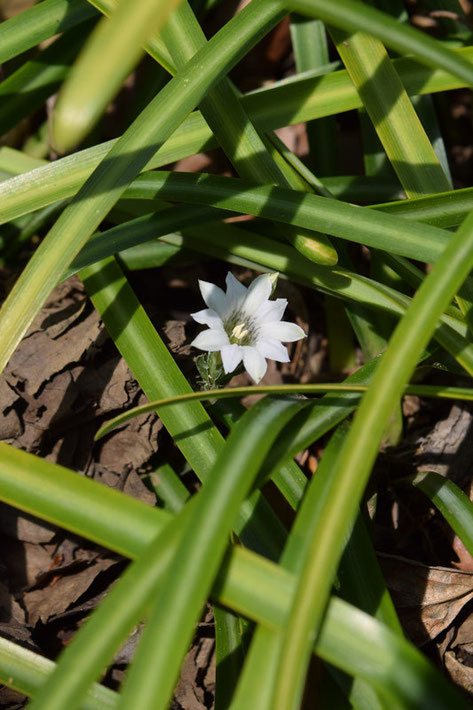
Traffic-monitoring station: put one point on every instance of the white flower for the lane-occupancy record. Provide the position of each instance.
(245, 325)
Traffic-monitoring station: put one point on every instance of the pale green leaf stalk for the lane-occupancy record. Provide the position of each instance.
(110, 54)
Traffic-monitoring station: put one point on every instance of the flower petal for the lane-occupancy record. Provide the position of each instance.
(258, 292)
(236, 292)
(231, 357)
(254, 363)
(272, 349)
(211, 340)
(271, 311)
(214, 297)
(208, 317)
(287, 332)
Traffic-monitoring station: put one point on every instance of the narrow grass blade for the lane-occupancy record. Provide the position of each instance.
(350, 15)
(28, 87)
(27, 672)
(110, 54)
(129, 156)
(301, 100)
(261, 672)
(201, 548)
(398, 127)
(32, 26)
(169, 488)
(442, 210)
(232, 635)
(452, 502)
(392, 114)
(342, 220)
(416, 687)
(94, 645)
(248, 583)
(309, 41)
(154, 45)
(251, 156)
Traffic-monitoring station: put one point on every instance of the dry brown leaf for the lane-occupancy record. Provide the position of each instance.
(41, 604)
(460, 674)
(428, 599)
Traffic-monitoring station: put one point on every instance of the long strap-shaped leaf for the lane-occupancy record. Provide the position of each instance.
(447, 209)
(236, 134)
(350, 472)
(217, 505)
(392, 114)
(111, 52)
(300, 100)
(351, 15)
(412, 239)
(397, 125)
(260, 676)
(125, 160)
(40, 22)
(253, 586)
(27, 672)
(26, 89)
(177, 607)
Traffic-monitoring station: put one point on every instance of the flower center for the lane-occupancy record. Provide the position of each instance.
(240, 330)
(240, 335)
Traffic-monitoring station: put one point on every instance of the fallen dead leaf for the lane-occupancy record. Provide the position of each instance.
(41, 604)
(428, 599)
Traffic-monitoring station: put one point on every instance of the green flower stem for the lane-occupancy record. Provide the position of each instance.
(437, 391)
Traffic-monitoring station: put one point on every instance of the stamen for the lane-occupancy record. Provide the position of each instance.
(239, 332)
